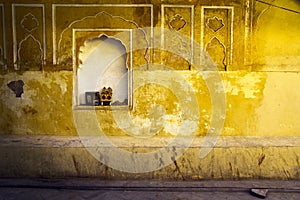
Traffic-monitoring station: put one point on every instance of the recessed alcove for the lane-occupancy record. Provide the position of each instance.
(103, 62)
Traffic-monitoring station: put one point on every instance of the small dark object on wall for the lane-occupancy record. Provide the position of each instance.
(92, 98)
(106, 96)
(16, 87)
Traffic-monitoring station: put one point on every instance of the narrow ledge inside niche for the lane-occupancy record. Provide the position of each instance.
(85, 107)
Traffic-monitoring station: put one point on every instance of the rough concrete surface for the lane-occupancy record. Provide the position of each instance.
(151, 190)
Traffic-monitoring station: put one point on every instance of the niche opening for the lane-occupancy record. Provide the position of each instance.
(103, 64)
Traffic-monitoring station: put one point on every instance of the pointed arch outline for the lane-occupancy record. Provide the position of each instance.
(20, 47)
(224, 62)
(128, 47)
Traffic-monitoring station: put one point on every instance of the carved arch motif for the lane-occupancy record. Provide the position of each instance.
(217, 51)
(29, 22)
(30, 53)
(97, 21)
(103, 37)
(177, 22)
(215, 24)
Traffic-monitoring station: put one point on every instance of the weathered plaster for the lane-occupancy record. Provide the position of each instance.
(261, 94)
(254, 102)
(278, 113)
(276, 37)
(221, 163)
(244, 93)
(37, 111)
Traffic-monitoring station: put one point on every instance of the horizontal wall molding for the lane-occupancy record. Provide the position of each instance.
(154, 142)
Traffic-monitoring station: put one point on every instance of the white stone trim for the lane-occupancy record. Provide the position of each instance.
(4, 34)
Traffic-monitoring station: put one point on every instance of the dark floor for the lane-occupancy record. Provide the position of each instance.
(173, 190)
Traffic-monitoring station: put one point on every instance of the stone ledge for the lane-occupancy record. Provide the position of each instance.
(152, 142)
(93, 183)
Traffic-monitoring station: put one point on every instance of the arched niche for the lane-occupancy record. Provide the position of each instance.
(103, 62)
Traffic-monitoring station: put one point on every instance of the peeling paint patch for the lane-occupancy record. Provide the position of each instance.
(249, 84)
(244, 94)
(44, 108)
(16, 87)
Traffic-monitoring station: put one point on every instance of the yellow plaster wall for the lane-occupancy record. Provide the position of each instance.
(276, 41)
(262, 99)
(257, 103)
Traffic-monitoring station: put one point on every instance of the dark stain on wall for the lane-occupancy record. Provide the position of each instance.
(29, 110)
(16, 87)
